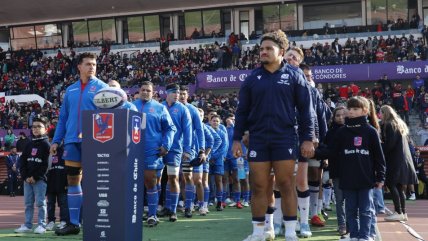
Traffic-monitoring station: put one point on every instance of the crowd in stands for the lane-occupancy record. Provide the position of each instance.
(30, 71)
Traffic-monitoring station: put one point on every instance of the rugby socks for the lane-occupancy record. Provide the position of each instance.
(247, 196)
(236, 196)
(327, 195)
(225, 193)
(75, 198)
(269, 218)
(190, 195)
(152, 200)
(167, 197)
(313, 194)
(206, 196)
(277, 215)
(320, 206)
(290, 225)
(303, 204)
(159, 187)
(258, 225)
(219, 195)
(174, 201)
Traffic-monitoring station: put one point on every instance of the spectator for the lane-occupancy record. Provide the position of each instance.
(57, 188)
(400, 104)
(410, 95)
(9, 139)
(423, 133)
(22, 142)
(420, 170)
(399, 163)
(33, 168)
(12, 170)
(418, 83)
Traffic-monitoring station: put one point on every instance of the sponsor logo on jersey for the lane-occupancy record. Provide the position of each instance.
(93, 88)
(358, 140)
(103, 130)
(136, 130)
(54, 159)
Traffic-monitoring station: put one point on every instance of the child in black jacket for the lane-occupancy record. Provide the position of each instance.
(57, 188)
(33, 168)
(360, 166)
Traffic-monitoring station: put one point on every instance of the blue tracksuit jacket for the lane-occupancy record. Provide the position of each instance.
(160, 129)
(183, 122)
(221, 152)
(230, 139)
(69, 127)
(216, 139)
(198, 141)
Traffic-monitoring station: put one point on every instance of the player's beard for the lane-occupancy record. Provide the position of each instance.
(264, 62)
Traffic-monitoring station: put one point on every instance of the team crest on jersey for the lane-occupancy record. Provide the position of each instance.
(152, 110)
(93, 88)
(136, 130)
(34, 151)
(358, 140)
(253, 153)
(175, 111)
(259, 76)
(54, 159)
(103, 130)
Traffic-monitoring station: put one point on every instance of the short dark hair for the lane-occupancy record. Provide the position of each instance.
(184, 88)
(172, 86)
(42, 120)
(214, 116)
(304, 67)
(147, 83)
(84, 56)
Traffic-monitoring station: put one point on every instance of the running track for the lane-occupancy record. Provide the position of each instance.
(12, 215)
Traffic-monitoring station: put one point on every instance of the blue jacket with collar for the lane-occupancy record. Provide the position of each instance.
(230, 139)
(76, 100)
(221, 152)
(198, 141)
(216, 139)
(183, 122)
(160, 129)
(269, 104)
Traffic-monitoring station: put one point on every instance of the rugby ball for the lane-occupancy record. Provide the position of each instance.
(109, 98)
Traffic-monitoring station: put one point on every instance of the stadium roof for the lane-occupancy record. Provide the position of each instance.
(20, 12)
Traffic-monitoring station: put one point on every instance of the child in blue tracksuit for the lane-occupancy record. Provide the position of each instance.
(360, 166)
(217, 160)
(208, 191)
